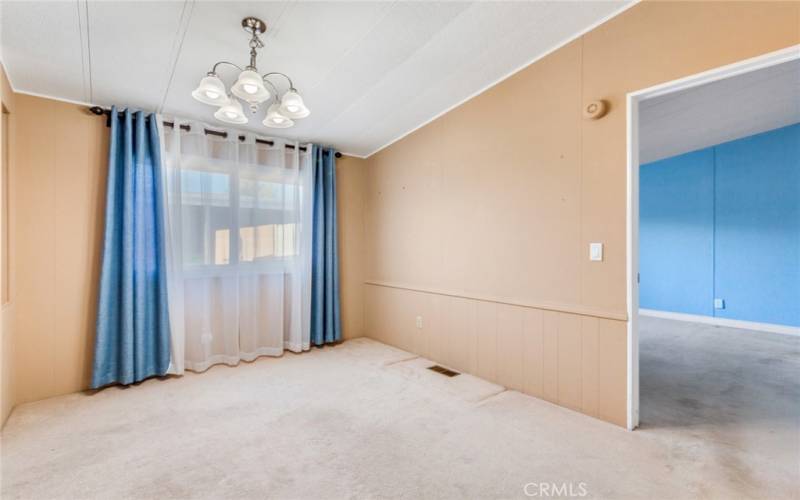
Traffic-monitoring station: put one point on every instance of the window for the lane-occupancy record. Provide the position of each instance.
(266, 194)
(222, 247)
(268, 240)
(262, 213)
(206, 217)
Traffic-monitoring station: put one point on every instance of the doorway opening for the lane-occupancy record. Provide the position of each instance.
(701, 134)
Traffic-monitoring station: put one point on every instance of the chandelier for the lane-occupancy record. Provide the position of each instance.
(251, 88)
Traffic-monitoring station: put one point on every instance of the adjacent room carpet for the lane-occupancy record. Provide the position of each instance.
(365, 420)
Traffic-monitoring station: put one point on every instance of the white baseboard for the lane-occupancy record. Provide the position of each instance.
(732, 323)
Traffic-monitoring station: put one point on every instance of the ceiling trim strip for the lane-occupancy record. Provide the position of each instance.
(86, 48)
(177, 48)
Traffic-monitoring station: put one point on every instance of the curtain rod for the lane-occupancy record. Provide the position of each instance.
(97, 110)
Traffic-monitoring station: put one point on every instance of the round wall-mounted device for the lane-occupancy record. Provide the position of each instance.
(595, 110)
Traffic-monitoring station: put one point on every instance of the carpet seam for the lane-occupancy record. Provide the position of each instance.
(401, 361)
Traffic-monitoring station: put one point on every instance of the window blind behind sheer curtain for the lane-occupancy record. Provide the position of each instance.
(238, 224)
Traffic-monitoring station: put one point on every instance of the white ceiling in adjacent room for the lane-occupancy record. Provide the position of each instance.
(370, 71)
(719, 112)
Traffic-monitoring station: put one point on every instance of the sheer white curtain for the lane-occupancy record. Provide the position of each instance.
(239, 246)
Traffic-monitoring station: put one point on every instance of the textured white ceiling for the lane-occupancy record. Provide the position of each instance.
(370, 71)
(719, 112)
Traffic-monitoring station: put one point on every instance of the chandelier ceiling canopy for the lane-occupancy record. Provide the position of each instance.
(252, 88)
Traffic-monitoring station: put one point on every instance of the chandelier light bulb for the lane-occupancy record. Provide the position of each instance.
(275, 119)
(292, 105)
(231, 112)
(211, 91)
(250, 87)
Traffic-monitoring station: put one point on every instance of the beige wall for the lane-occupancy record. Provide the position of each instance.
(7, 399)
(350, 182)
(481, 221)
(58, 183)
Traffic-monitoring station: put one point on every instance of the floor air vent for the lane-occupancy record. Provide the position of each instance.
(444, 371)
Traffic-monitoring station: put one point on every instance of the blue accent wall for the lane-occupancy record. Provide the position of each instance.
(676, 240)
(724, 222)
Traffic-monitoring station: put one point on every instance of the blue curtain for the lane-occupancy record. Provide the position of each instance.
(326, 324)
(133, 338)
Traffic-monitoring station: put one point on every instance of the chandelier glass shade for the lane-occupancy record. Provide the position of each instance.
(252, 88)
(231, 112)
(211, 91)
(276, 119)
(292, 105)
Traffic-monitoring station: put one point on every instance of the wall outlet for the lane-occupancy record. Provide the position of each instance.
(419, 322)
(719, 303)
(596, 251)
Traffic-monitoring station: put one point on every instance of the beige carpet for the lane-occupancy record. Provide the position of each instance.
(359, 420)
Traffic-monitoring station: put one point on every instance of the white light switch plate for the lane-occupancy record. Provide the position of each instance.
(419, 322)
(596, 251)
(719, 303)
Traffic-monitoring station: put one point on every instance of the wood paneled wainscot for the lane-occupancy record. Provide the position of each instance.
(574, 360)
